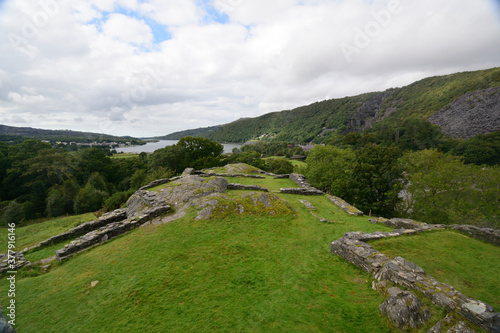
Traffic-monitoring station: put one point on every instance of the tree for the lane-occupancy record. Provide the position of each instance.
(330, 168)
(60, 200)
(376, 181)
(94, 160)
(89, 199)
(442, 189)
(13, 213)
(279, 166)
(188, 152)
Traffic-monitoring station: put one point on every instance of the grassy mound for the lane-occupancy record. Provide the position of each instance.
(236, 273)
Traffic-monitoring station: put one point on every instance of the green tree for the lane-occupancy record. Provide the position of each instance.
(89, 199)
(60, 200)
(376, 180)
(330, 169)
(442, 189)
(94, 160)
(188, 152)
(13, 213)
(279, 166)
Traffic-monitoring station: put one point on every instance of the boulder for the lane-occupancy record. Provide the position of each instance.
(5, 326)
(404, 309)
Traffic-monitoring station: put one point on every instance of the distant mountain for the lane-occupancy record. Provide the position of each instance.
(421, 100)
(10, 133)
(199, 132)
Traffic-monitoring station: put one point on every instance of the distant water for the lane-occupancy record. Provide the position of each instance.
(152, 146)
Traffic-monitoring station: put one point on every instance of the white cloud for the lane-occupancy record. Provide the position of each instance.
(94, 65)
(171, 12)
(25, 99)
(127, 29)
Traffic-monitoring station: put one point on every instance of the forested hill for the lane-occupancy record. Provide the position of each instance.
(198, 132)
(19, 134)
(416, 102)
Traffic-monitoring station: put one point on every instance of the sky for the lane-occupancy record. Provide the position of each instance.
(152, 67)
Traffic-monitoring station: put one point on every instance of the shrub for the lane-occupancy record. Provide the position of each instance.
(279, 166)
(89, 199)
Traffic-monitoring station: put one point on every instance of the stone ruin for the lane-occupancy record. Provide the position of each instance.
(342, 204)
(353, 248)
(305, 186)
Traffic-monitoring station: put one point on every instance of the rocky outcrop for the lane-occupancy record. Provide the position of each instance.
(145, 203)
(158, 182)
(403, 272)
(236, 175)
(472, 114)
(342, 204)
(250, 203)
(404, 309)
(188, 188)
(368, 113)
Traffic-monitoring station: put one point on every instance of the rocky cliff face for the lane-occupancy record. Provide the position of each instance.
(472, 114)
(365, 116)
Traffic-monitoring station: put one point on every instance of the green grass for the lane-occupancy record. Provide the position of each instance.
(36, 232)
(235, 274)
(273, 185)
(270, 274)
(469, 265)
(125, 155)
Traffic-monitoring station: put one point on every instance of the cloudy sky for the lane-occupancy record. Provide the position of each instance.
(153, 67)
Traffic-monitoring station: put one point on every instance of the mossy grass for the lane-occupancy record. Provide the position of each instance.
(240, 273)
(469, 265)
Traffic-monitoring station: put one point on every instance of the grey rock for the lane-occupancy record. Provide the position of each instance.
(301, 191)
(472, 114)
(456, 326)
(246, 187)
(5, 326)
(405, 310)
(342, 204)
(188, 172)
(307, 204)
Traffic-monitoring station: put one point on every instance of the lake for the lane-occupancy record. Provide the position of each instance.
(152, 146)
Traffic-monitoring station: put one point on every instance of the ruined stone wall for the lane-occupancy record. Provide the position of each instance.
(82, 229)
(353, 248)
(489, 235)
(342, 204)
(305, 186)
(109, 231)
(246, 187)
